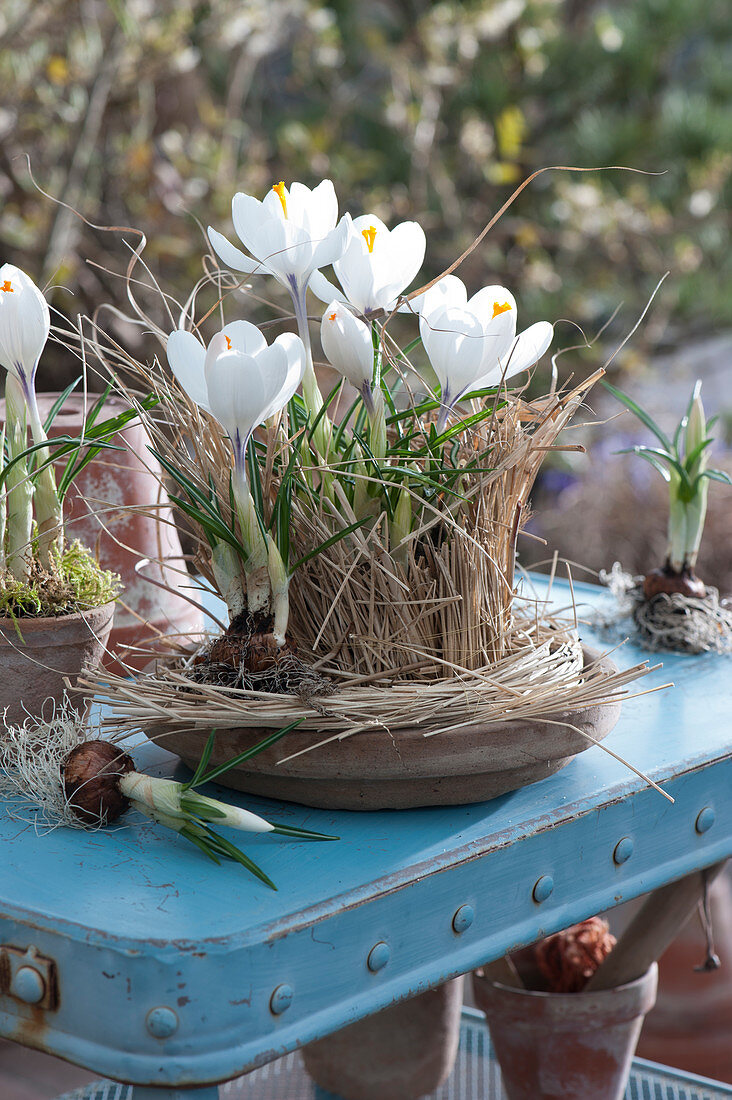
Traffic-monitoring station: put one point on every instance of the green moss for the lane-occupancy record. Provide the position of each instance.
(76, 583)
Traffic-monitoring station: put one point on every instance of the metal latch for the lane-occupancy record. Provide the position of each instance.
(28, 977)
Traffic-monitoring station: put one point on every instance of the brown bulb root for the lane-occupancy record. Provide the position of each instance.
(568, 959)
(252, 652)
(669, 581)
(91, 775)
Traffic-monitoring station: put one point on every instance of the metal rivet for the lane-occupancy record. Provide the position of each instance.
(162, 1022)
(379, 956)
(705, 819)
(281, 999)
(543, 888)
(28, 986)
(463, 919)
(623, 850)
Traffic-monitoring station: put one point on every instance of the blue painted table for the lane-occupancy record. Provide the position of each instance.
(165, 971)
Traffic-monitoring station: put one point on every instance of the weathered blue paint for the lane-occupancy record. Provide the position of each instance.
(134, 919)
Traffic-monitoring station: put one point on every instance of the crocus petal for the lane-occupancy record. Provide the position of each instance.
(355, 275)
(289, 234)
(491, 302)
(186, 358)
(232, 256)
(455, 344)
(528, 348)
(237, 393)
(325, 290)
(247, 214)
(245, 337)
(331, 247)
(321, 206)
(448, 291)
(407, 244)
(347, 344)
(294, 350)
(24, 324)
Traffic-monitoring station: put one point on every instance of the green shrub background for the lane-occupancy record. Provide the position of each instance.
(151, 114)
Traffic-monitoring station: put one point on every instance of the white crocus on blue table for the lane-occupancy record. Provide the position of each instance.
(157, 968)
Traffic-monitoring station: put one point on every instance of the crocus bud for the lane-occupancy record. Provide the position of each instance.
(349, 348)
(696, 431)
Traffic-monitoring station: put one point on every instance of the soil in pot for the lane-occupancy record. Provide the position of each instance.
(37, 653)
(401, 1053)
(565, 1046)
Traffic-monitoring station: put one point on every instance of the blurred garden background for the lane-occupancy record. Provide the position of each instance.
(151, 114)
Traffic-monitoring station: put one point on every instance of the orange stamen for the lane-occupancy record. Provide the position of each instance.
(279, 190)
(369, 236)
(332, 316)
(497, 308)
(228, 342)
(7, 287)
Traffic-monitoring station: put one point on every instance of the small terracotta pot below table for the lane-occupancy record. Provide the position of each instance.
(565, 1046)
(402, 1053)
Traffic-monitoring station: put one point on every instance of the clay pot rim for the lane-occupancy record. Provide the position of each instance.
(48, 620)
(570, 998)
(55, 630)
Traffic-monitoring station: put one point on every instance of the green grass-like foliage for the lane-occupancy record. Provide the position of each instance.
(77, 583)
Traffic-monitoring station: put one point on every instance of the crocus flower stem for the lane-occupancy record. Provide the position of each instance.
(254, 542)
(444, 412)
(310, 388)
(227, 570)
(377, 424)
(280, 583)
(401, 526)
(19, 520)
(22, 408)
(3, 501)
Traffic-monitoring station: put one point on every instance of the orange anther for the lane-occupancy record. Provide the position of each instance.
(369, 235)
(497, 308)
(279, 190)
(332, 316)
(228, 342)
(7, 287)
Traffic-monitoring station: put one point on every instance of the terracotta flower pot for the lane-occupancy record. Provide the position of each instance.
(401, 1053)
(97, 511)
(565, 1046)
(36, 655)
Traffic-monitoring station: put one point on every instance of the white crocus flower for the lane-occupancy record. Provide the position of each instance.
(349, 348)
(242, 381)
(25, 323)
(376, 267)
(24, 327)
(239, 379)
(290, 234)
(472, 344)
(348, 345)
